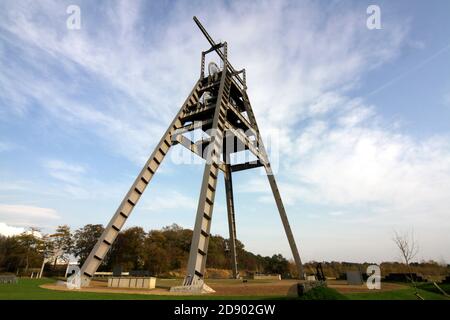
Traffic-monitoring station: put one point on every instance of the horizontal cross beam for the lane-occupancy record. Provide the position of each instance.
(247, 142)
(246, 166)
(194, 125)
(242, 118)
(193, 147)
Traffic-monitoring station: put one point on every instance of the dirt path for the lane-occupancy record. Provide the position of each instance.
(227, 288)
(101, 287)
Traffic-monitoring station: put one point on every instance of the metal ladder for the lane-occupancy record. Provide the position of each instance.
(130, 200)
(200, 238)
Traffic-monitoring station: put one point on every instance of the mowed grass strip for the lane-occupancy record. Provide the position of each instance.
(430, 287)
(402, 294)
(29, 289)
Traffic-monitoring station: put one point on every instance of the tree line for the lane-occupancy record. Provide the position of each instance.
(165, 252)
(156, 251)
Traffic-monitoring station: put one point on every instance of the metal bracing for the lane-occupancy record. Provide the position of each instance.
(191, 127)
(132, 197)
(284, 220)
(193, 147)
(221, 115)
(249, 144)
(230, 213)
(201, 234)
(243, 120)
(275, 191)
(246, 166)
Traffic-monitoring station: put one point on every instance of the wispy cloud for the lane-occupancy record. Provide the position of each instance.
(120, 79)
(63, 171)
(360, 163)
(72, 181)
(169, 200)
(124, 65)
(26, 215)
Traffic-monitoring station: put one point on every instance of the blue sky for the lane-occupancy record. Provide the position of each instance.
(361, 118)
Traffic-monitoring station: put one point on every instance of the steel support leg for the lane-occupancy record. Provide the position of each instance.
(285, 221)
(130, 200)
(201, 234)
(231, 217)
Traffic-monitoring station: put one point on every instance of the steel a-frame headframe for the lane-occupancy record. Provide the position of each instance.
(219, 105)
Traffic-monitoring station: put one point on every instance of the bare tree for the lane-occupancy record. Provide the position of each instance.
(409, 249)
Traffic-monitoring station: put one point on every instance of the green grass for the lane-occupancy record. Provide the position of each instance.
(402, 294)
(28, 289)
(431, 288)
(323, 293)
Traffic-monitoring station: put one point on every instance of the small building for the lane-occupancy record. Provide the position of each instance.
(354, 278)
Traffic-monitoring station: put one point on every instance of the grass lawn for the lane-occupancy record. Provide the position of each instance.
(430, 287)
(28, 289)
(425, 292)
(323, 293)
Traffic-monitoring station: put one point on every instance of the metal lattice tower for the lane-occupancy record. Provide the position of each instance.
(219, 106)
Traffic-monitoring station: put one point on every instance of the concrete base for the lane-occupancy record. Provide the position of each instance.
(132, 282)
(300, 289)
(199, 288)
(85, 281)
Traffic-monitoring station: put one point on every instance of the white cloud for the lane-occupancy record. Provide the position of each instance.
(7, 230)
(13, 186)
(63, 171)
(336, 213)
(169, 200)
(356, 165)
(26, 215)
(416, 44)
(125, 65)
(356, 115)
(302, 63)
(363, 175)
(71, 181)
